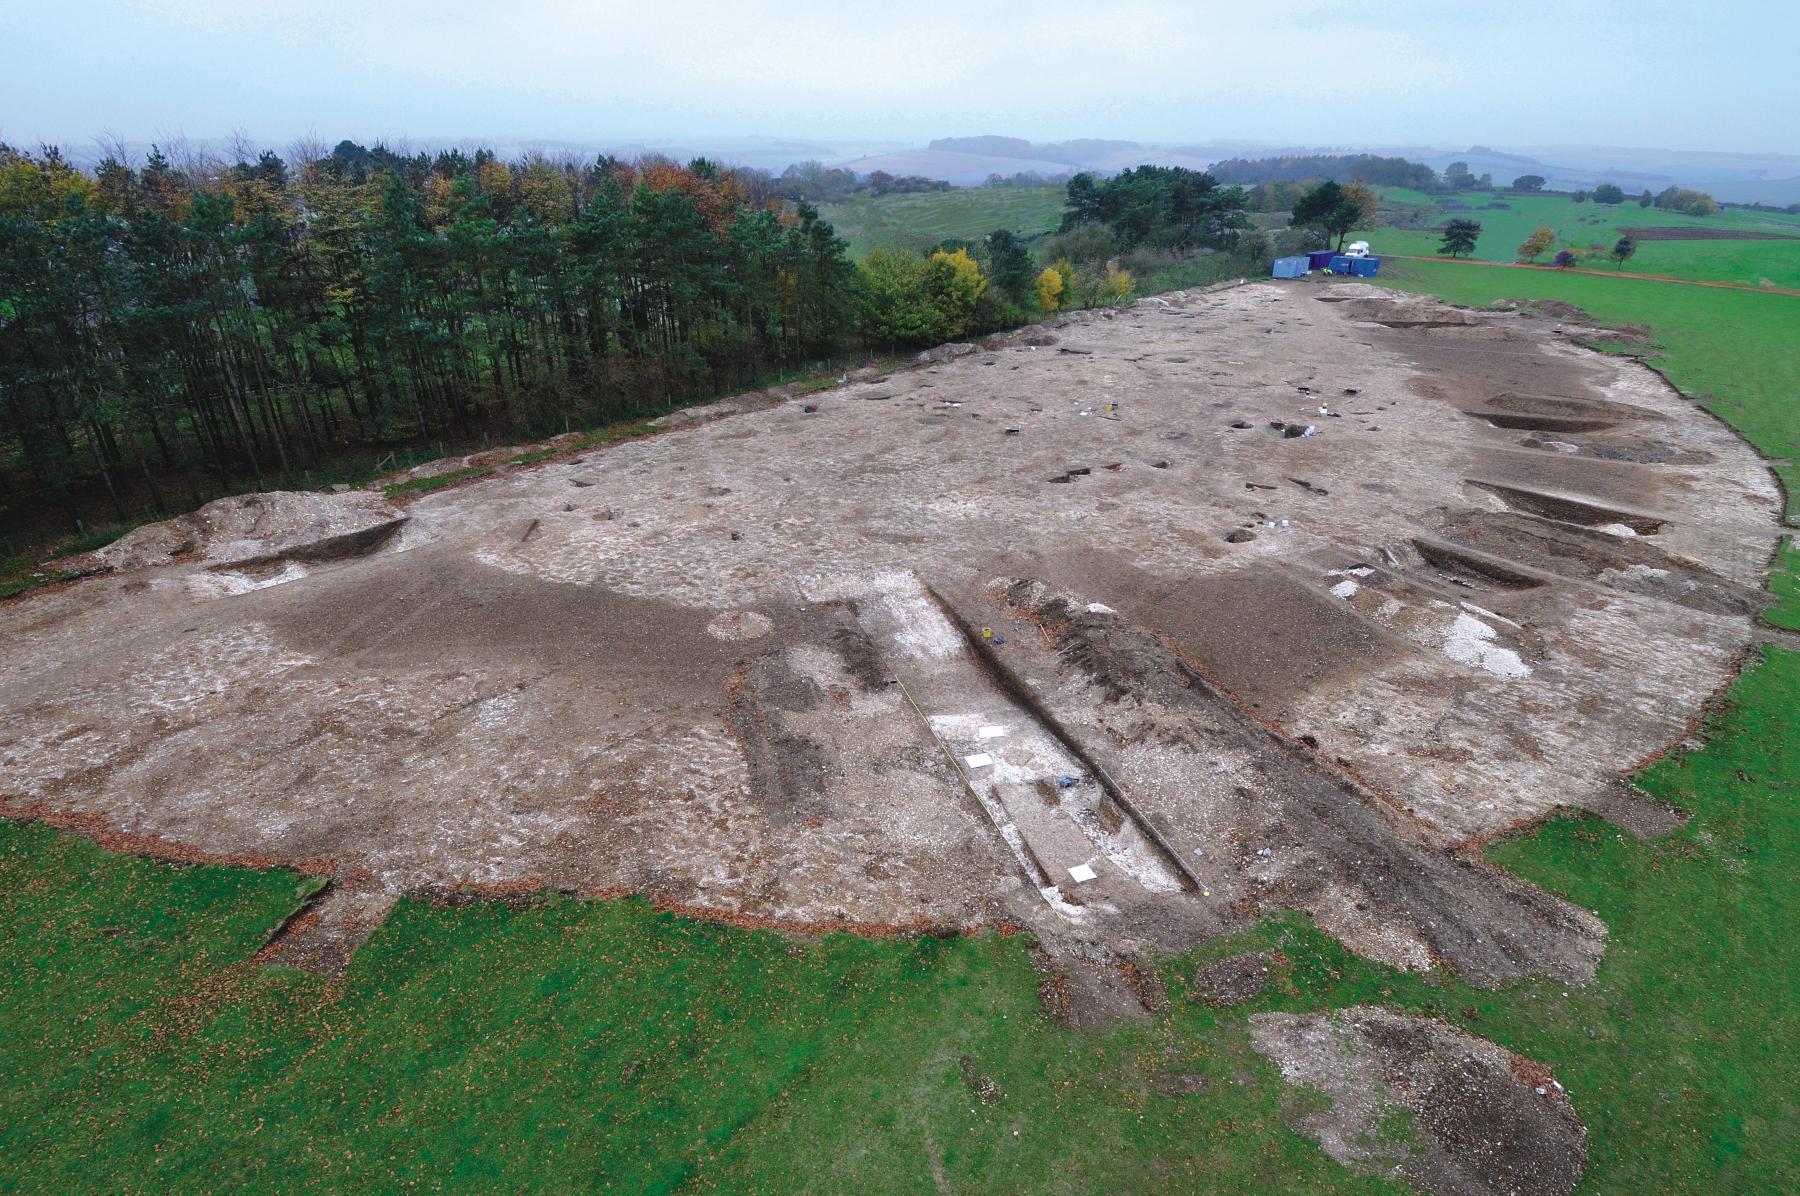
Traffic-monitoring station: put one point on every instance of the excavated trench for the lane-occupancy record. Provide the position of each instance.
(744, 666)
(848, 662)
(1569, 509)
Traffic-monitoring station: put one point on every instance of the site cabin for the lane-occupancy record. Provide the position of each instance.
(1355, 261)
(1359, 267)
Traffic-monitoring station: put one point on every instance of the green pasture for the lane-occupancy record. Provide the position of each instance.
(923, 219)
(1590, 230)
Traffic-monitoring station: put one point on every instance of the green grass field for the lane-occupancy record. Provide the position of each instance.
(1784, 583)
(923, 219)
(602, 1045)
(1591, 229)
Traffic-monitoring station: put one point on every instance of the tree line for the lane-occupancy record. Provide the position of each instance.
(1168, 207)
(173, 332)
(176, 334)
(1336, 168)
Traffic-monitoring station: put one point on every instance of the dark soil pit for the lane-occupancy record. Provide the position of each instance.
(1234, 979)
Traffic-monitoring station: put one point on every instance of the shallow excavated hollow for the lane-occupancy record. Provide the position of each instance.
(1570, 509)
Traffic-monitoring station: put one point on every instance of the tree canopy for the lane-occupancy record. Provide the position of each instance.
(1459, 237)
(202, 329)
(1534, 246)
(1334, 211)
(1337, 168)
(1167, 207)
(173, 332)
(1682, 199)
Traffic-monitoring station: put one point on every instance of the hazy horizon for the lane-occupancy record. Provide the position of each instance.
(1295, 72)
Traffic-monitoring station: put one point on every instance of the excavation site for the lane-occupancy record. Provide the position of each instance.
(1120, 630)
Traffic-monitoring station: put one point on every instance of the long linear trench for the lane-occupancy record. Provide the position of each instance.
(1072, 832)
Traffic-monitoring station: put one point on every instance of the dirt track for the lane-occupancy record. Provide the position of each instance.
(741, 666)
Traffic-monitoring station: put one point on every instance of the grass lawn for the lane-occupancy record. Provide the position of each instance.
(602, 1045)
(1749, 263)
(1784, 582)
(919, 220)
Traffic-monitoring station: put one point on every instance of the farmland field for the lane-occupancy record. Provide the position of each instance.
(924, 218)
(1590, 229)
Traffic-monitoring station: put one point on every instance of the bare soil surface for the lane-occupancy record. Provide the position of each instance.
(1454, 1114)
(1063, 631)
(1234, 979)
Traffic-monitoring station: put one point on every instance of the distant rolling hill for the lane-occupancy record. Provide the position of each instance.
(967, 161)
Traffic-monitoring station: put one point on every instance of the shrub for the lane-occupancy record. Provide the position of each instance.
(1118, 282)
(1682, 199)
(1083, 244)
(895, 307)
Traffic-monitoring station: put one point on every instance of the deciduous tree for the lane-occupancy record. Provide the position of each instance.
(1328, 210)
(1539, 241)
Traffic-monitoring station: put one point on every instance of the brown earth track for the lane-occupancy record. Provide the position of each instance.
(1677, 232)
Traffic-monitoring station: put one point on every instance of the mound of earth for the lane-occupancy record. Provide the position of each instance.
(1452, 1113)
(963, 645)
(300, 525)
(1554, 309)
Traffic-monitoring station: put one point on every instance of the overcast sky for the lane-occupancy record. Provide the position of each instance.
(1695, 75)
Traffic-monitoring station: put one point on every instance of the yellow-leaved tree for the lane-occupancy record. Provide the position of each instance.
(954, 282)
(1368, 204)
(1536, 243)
(1049, 289)
(1118, 282)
